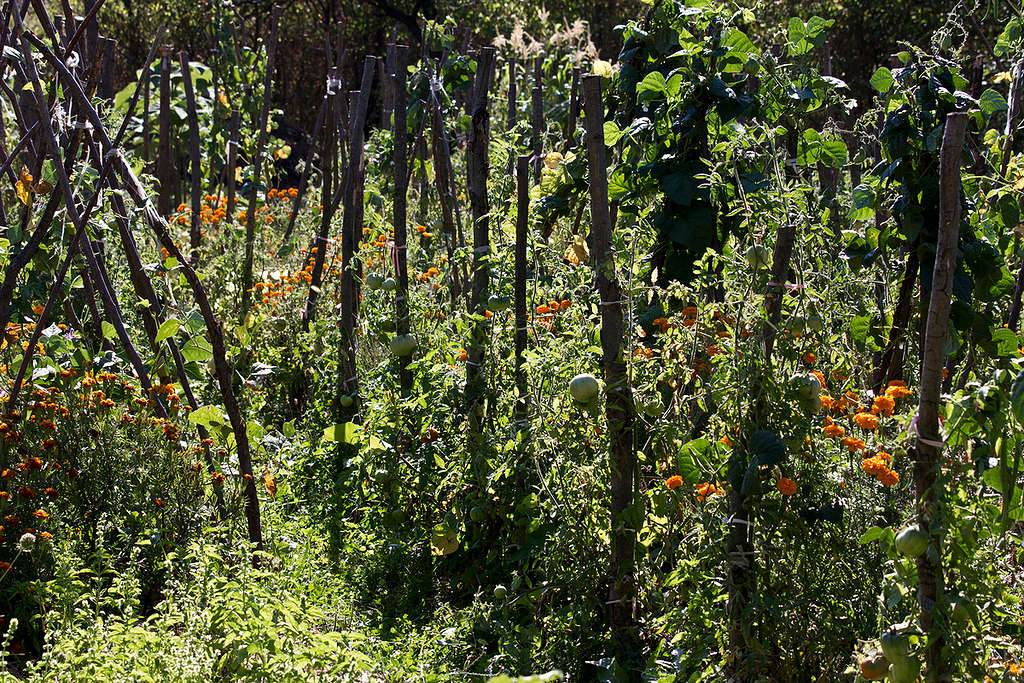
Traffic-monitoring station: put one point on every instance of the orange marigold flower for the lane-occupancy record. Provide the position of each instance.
(866, 421)
(26, 492)
(809, 358)
(40, 514)
(51, 492)
(5, 566)
(833, 431)
(706, 490)
(883, 405)
(897, 389)
(786, 487)
(853, 445)
(689, 316)
(873, 466)
(888, 478)
(674, 482)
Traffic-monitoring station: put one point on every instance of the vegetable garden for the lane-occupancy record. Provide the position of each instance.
(684, 366)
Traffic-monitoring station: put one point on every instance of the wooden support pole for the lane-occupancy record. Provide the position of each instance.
(927, 451)
(619, 394)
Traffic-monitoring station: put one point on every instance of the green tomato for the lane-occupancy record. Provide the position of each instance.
(905, 670)
(500, 592)
(389, 285)
(346, 401)
(652, 407)
(756, 256)
(811, 406)
(403, 345)
(806, 386)
(374, 281)
(895, 645)
(796, 326)
(912, 542)
(498, 303)
(815, 323)
(477, 513)
(584, 388)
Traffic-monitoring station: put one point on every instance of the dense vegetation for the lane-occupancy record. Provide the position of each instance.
(699, 363)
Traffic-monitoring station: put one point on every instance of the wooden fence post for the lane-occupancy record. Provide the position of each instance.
(164, 168)
(195, 157)
(257, 165)
(477, 172)
(619, 395)
(519, 282)
(927, 451)
(398, 101)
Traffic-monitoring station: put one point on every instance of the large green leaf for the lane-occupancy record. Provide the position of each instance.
(767, 448)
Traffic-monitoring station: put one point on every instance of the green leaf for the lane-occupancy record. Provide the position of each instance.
(109, 332)
(1008, 38)
(196, 350)
(834, 153)
(882, 80)
(992, 102)
(690, 460)
(346, 432)
(1006, 342)
(873, 534)
(653, 82)
(208, 416)
(612, 134)
(169, 328)
(288, 428)
(767, 448)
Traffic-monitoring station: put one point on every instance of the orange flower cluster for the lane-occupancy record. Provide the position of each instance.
(427, 274)
(832, 430)
(212, 211)
(674, 482)
(786, 487)
(662, 324)
(284, 194)
(552, 307)
(897, 389)
(878, 467)
(706, 490)
(883, 405)
(866, 421)
(853, 445)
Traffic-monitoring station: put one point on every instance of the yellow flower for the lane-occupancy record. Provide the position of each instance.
(602, 68)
